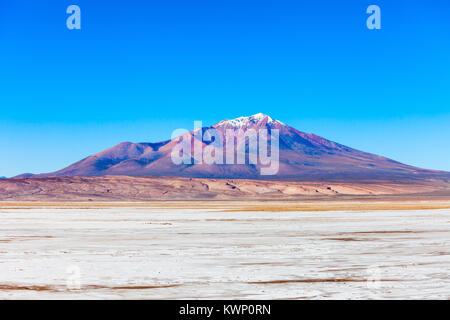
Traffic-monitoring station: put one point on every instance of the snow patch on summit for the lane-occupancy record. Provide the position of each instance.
(245, 121)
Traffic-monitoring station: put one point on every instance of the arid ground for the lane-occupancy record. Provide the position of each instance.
(396, 249)
(125, 188)
(115, 237)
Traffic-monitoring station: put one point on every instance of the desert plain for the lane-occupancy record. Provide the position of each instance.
(119, 237)
(357, 249)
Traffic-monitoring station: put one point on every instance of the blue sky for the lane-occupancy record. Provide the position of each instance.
(137, 70)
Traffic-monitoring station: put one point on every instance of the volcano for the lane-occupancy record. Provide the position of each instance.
(302, 156)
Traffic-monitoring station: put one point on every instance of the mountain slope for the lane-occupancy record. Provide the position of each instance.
(301, 156)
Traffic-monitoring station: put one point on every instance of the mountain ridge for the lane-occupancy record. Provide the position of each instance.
(301, 156)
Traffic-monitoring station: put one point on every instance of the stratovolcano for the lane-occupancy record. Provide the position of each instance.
(302, 156)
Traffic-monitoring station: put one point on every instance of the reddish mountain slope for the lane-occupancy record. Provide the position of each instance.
(302, 156)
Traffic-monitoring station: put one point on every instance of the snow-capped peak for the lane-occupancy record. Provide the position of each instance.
(246, 121)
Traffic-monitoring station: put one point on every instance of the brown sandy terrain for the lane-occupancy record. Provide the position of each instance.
(249, 206)
(125, 188)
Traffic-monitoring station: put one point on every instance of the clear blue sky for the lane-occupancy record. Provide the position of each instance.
(137, 70)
